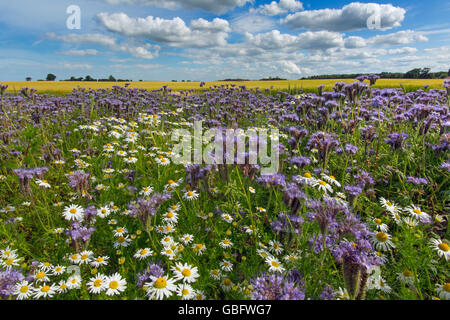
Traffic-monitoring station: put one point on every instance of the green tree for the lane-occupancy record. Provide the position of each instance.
(51, 77)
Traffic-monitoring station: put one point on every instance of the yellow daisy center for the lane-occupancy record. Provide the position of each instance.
(407, 273)
(275, 264)
(24, 289)
(446, 287)
(73, 211)
(40, 275)
(186, 272)
(113, 284)
(417, 211)
(98, 283)
(160, 283)
(382, 237)
(45, 289)
(443, 246)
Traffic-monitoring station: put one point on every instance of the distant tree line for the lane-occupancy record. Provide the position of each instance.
(52, 77)
(417, 73)
(89, 78)
(264, 79)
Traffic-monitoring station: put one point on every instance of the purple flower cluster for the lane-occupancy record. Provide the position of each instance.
(8, 281)
(276, 287)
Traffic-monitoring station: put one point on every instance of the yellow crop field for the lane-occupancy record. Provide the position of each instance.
(62, 87)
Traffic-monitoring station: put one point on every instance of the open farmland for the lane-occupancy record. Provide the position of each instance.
(63, 87)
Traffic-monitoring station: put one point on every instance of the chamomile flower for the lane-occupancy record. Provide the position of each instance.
(216, 274)
(274, 265)
(382, 241)
(11, 261)
(122, 241)
(443, 290)
(146, 191)
(74, 282)
(342, 294)
(388, 205)
(130, 159)
(44, 291)
(250, 229)
(410, 222)
(441, 248)
(263, 253)
(170, 217)
(74, 258)
(406, 276)
(226, 265)
(120, 231)
(58, 270)
(190, 195)
(58, 230)
(260, 209)
(185, 272)
(226, 243)
(169, 253)
(97, 284)
(46, 266)
(227, 218)
(199, 248)
(291, 257)
(275, 246)
(331, 180)
(23, 290)
(141, 254)
(86, 257)
(99, 261)
(199, 295)
(167, 241)
(160, 288)
(185, 291)
(175, 207)
(73, 212)
(171, 185)
(323, 186)
(186, 239)
(115, 284)
(226, 284)
(62, 286)
(251, 189)
(41, 276)
(380, 225)
(43, 183)
(418, 214)
(162, 161)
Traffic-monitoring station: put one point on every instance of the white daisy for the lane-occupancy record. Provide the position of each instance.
(274, 265)
(185, 272)
(97, 284)
(441, 248)
(73, 212)
(141, 254)
(115, 284)
(186, 292)
(160, 288)
(44, 291)
(23, 290)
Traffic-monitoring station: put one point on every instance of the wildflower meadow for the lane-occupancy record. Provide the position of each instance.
(116, 194)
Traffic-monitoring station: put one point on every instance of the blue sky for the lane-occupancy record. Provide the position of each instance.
(217, 39)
